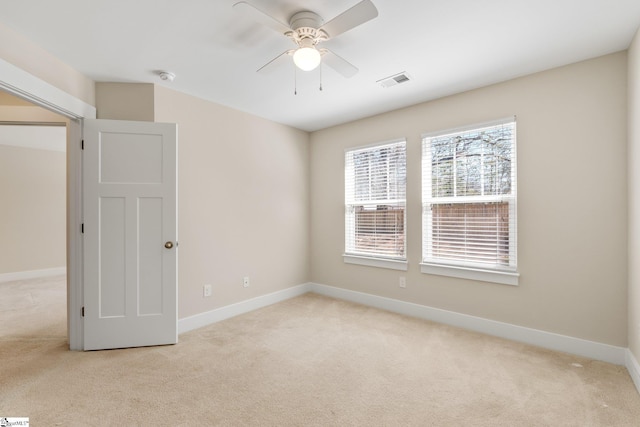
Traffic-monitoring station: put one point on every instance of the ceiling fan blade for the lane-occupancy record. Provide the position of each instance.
(351, 18)
(260, 17)
(275, 62)
(338, 63)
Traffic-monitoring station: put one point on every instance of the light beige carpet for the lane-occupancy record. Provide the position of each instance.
(309, 361)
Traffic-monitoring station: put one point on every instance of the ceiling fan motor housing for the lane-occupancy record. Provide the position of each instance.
(305, 19)
(305, 29)
(307, 37)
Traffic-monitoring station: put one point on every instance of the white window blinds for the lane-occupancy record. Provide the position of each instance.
(375, 182)
(469, 197)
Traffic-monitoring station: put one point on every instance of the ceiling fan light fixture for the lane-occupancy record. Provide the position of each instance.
(306, 58)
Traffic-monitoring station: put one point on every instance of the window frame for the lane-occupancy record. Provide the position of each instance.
(465, 269)
(372, 259)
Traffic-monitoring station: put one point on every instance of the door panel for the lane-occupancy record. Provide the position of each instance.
(111, 274)
(130, 204)
(151, 251)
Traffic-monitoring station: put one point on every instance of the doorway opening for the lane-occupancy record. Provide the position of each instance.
(33, 187)
(24, 85)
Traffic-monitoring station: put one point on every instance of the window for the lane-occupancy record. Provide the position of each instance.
(469, 202)
(375, 182)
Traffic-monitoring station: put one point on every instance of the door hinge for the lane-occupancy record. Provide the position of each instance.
(82, 145)
(82, 228)
(82, 311)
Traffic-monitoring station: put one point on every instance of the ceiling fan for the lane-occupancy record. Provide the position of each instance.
(307, 29)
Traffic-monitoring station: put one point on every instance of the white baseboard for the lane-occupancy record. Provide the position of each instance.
(593, 350)
(634, 369)
(203, 319)
(577, 346)
(32, 274)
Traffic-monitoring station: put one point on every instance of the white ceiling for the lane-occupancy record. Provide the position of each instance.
(446, 46)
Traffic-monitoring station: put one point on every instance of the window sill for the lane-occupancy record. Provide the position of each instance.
(493, 276)
(376, 262)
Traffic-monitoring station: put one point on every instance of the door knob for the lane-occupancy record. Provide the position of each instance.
(168, 245)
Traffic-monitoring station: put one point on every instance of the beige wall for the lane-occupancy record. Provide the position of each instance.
(21, 52)
(125, 101)
(28, 113)
(634, 196)
(243, 202)
(33, 214)
(572, 202)
(7, 99)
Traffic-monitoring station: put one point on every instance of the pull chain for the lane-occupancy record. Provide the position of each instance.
(295, 79)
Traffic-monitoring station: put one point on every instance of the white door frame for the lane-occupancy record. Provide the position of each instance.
(26, 86)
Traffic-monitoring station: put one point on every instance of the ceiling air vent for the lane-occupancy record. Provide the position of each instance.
(396, 79)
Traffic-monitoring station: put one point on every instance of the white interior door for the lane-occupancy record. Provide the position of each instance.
(130, 234)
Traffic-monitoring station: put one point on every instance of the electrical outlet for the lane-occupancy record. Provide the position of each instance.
(245, 282)
(206, 290)
(403, 282)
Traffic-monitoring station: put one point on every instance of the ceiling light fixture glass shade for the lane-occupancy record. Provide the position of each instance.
(306, 58)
